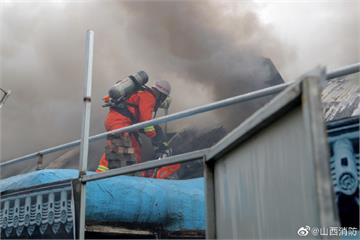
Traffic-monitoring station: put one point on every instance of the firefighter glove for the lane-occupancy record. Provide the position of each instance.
(162, 150)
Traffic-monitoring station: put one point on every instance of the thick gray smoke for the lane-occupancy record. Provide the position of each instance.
(205, 48)
(203, 45)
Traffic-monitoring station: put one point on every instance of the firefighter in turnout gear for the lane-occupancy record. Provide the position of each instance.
(130, 102)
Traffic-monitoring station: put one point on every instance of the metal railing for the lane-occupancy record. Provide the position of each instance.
(201, 154)
(354, 68)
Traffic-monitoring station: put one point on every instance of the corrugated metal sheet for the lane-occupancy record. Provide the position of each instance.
(341, 98)
(253, 197)
(270, 176)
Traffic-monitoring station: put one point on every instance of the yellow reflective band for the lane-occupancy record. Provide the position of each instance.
(149, 129)
(102, 168)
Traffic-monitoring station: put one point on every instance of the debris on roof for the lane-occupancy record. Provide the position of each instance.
(341, 98)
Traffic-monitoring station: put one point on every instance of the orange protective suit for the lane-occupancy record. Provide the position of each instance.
(167, 171)
(145, 102)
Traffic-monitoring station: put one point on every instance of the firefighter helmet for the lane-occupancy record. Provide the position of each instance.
(163, 86)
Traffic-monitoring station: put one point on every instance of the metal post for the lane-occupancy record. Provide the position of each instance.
(84, 145)
(166, 111)
(40, 161)
(210, 199)
(315, 129)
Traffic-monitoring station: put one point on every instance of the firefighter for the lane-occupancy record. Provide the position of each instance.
(124, 149)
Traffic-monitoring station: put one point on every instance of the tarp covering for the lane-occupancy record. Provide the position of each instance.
(173, 205)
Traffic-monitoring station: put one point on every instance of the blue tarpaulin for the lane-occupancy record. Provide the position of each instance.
(173, 205)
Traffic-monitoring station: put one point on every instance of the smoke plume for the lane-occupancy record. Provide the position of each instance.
(208, 50)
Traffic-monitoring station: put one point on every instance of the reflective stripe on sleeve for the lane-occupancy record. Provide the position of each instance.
(101, 168)
(149, 129)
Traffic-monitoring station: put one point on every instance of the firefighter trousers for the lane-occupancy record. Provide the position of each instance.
(121, 150)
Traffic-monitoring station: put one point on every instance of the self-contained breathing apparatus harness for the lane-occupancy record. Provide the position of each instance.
(121, 105)
(119, 95)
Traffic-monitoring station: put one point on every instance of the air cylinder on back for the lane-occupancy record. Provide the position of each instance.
(126, 87)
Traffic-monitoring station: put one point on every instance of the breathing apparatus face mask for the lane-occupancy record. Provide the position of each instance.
(165, 103)
(4, 95)
(162, 98)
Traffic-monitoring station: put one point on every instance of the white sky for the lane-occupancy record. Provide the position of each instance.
(323, 32)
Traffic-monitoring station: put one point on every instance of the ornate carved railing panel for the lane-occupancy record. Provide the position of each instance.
(45, 211)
